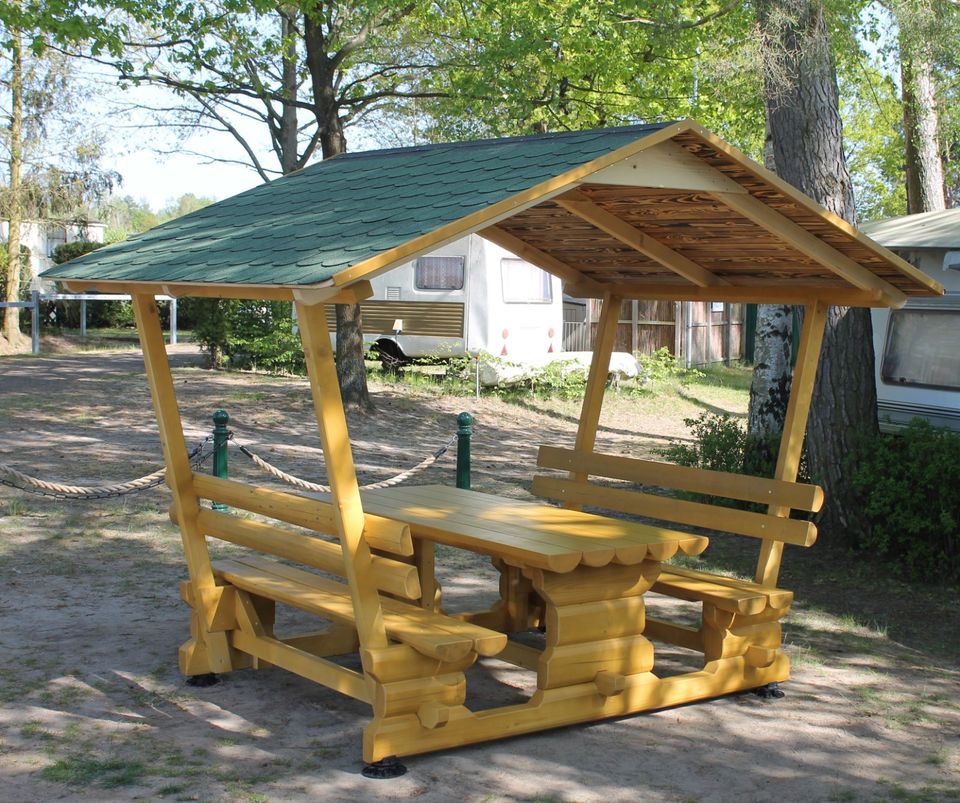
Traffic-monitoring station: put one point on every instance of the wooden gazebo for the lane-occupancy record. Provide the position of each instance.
(665, 211)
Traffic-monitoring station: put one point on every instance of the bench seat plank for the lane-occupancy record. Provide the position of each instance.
(727, 593)
(435, 635)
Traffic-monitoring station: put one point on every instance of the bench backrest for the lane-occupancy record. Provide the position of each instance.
(390, 574)
(780, 497)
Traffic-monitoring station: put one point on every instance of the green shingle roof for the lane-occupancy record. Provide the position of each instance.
(305, 227)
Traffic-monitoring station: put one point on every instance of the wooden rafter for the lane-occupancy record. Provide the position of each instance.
(580, 205)
(541, 259)
(808, 244)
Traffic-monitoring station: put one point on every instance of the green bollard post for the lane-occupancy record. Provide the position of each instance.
(464, 431)
(220, 436)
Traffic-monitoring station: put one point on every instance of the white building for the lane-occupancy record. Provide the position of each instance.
(43, 236)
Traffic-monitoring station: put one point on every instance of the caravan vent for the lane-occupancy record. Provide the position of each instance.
(951, 260)
(393, 294)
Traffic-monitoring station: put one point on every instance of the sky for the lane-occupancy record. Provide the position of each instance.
(139, 151)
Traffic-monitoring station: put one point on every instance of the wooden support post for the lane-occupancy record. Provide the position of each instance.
(207, 652)
(597, 380)
(344, 491)
(794, 428)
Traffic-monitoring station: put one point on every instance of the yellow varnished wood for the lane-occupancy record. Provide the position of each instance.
(668, 508)
(303, 511)
(216, 649)
(597, 379)
(794, 428)
(389, 575)
(806, 243)
(345, 493)
(529, 534)
(580, 205)
(436, 635)
(252, 639)
(798, 496)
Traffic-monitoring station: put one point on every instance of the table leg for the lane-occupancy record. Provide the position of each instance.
(594, 619)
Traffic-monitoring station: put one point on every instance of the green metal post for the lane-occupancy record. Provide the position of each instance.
(220, 436)
(464, 431)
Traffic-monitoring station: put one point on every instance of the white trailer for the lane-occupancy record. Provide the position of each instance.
(918, 346)
(469, 297)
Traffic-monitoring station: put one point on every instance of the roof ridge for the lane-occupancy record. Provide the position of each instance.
(468, 143)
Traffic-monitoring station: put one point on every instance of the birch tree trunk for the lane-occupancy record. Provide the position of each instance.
(801, 96)
(924, 166)
(772, 374)
(772, 370)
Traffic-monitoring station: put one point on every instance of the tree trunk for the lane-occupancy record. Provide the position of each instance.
(924, 166)
(287, 136)
(11, 315)
(801, 96)
(351, 371)
(770, 385)
(772, 370)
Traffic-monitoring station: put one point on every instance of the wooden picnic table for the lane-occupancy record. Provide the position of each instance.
(580, 575)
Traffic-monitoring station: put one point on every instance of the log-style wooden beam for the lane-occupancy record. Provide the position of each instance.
(810, 245)
(541, 259)
(577, 203)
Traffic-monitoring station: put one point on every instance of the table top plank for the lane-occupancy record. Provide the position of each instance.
(532, 533)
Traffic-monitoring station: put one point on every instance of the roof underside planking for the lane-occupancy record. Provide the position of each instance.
(665, 211)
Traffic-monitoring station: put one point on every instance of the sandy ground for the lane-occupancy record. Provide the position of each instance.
(92, 706)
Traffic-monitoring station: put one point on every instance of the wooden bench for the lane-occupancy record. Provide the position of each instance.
(740, 625)
(418, 672)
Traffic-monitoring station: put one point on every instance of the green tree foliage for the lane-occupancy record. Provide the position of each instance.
(524, 67)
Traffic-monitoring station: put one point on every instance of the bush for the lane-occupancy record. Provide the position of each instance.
(909, 485)
(662, 366)
(721, 443)
(67, 251)
(211, 325)
(260, 336)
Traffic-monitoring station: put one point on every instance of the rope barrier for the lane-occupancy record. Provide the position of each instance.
(62, 491)
(31, 484)
(305, 485)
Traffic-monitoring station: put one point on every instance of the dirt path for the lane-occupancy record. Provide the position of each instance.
(92, 706)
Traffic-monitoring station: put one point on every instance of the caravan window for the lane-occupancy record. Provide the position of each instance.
(922, 348)
(439, 273)
(524, 283)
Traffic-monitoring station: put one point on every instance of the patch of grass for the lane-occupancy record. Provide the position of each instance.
(34, 730)
(15, 507)
(844, 796)
(243, 790)
(85, 771)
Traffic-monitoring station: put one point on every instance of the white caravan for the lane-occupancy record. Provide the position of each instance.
(918, 346)
(469, 297)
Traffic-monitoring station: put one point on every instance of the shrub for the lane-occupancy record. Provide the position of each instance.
(909, 485)
(212, 327)
(67, 251)
(721, 443)
(260, 336)
(662, 366)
